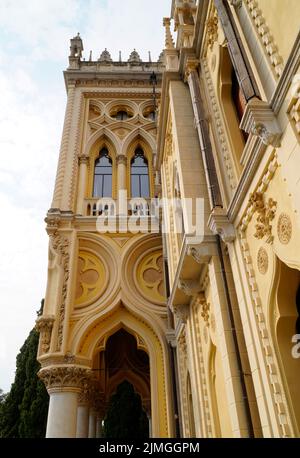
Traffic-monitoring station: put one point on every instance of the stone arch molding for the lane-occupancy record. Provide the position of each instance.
(136, 251)
(103, 249)
(98, 328)
(138, 132)
(102, 133)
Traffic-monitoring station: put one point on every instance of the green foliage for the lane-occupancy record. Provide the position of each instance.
(23, 412)
(126, 418)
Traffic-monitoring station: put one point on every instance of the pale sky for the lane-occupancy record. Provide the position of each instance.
(34, 48)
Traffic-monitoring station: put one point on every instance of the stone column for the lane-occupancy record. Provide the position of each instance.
(92, 423)
(99, 426)
(122, 183)
(63, 384)
(82, 430)
(83, 162)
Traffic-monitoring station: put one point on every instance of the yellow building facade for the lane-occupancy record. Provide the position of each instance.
(174, 249)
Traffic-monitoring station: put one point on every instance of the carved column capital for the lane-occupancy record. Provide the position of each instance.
(83, 159)
(64, 378)
(121, 159)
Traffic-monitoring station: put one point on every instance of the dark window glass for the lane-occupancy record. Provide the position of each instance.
(238, 99)
(103, 175)
(122, 115)
(139, 175)
(151, 115)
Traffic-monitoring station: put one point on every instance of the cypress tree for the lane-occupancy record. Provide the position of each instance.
(23, 412)
(126, 418)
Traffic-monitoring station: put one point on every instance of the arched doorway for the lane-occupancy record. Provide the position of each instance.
(125, 417)
(123, 378)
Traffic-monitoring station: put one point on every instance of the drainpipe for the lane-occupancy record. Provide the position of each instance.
(215, 201)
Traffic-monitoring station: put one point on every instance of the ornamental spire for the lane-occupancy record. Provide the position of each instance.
(169, 43)
(105, 56)
(134, 57)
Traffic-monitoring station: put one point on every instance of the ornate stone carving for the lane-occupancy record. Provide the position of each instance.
(150, 278)
(91, 278)
(169, 43)
(212, 29)
(83, 159)
(189, 287)
(260, 130)
(182, 312)
(201, 254)
(284, 228)
(84, 395)
(64, 377)
(262, 260)
(205, 311)
(60, 245)
(192, 65)
(266, 341)
(105, 57)
(182, 344)
(69, 358)
(44, 326)
(219, 224)
(294, 105)
(260, 120)
(134, 57)
(265, 36)
(266, 213)
(121, 159)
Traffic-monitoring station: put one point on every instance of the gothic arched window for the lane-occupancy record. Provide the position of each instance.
(103, 175)
(139, 175)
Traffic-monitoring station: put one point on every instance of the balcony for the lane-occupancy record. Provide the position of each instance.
(135, 215)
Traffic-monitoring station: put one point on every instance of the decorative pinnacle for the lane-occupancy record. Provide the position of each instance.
(169, 43)
(105, 56)
(134, 57)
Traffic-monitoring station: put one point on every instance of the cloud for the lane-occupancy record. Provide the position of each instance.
(34, 38)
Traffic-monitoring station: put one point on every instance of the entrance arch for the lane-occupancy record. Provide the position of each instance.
(94, 337)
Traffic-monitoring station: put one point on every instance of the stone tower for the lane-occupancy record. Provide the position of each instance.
(105, 317)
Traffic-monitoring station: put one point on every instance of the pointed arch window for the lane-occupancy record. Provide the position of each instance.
(103, 175)
(139, 175)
